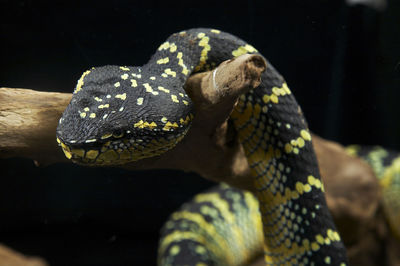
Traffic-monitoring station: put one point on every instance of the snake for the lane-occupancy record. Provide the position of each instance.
(120, 114)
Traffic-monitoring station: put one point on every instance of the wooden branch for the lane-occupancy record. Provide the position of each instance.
(28, 120)
(9, 257)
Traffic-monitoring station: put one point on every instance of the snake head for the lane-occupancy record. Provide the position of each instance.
(122, 114)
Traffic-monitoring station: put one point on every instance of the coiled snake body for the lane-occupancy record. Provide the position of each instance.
(231, 231)
(121, 114)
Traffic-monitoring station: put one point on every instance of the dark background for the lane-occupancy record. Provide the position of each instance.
(342, 63)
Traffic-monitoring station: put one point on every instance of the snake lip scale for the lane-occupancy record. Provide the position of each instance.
(120, 114)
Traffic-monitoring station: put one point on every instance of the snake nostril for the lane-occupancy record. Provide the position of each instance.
(84, 102)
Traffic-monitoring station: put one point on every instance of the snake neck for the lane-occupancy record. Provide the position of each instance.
(297, 225)
(192, 51)
(175, 59)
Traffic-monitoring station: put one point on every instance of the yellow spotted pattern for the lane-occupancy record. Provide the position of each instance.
(244, 50)
(204, 39)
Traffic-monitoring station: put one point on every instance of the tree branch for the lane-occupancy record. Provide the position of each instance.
(9, 257)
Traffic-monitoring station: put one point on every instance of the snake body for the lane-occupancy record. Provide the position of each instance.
(121, 114)
(221, 226)
(227, 220)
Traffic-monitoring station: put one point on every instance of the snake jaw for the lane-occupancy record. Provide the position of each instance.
(119, 151)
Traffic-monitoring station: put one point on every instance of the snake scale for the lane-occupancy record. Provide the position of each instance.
(119, 114)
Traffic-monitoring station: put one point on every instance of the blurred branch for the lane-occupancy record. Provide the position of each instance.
(9, 257)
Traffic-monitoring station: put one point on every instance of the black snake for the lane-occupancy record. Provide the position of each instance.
(120, 114)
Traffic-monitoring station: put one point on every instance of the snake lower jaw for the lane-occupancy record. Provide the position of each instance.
(110, 155)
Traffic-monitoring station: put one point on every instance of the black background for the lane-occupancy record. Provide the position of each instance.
(342, 63)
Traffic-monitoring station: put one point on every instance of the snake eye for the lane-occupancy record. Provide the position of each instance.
(118, 133)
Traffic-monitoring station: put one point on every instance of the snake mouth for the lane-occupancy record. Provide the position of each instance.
(118, 152)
